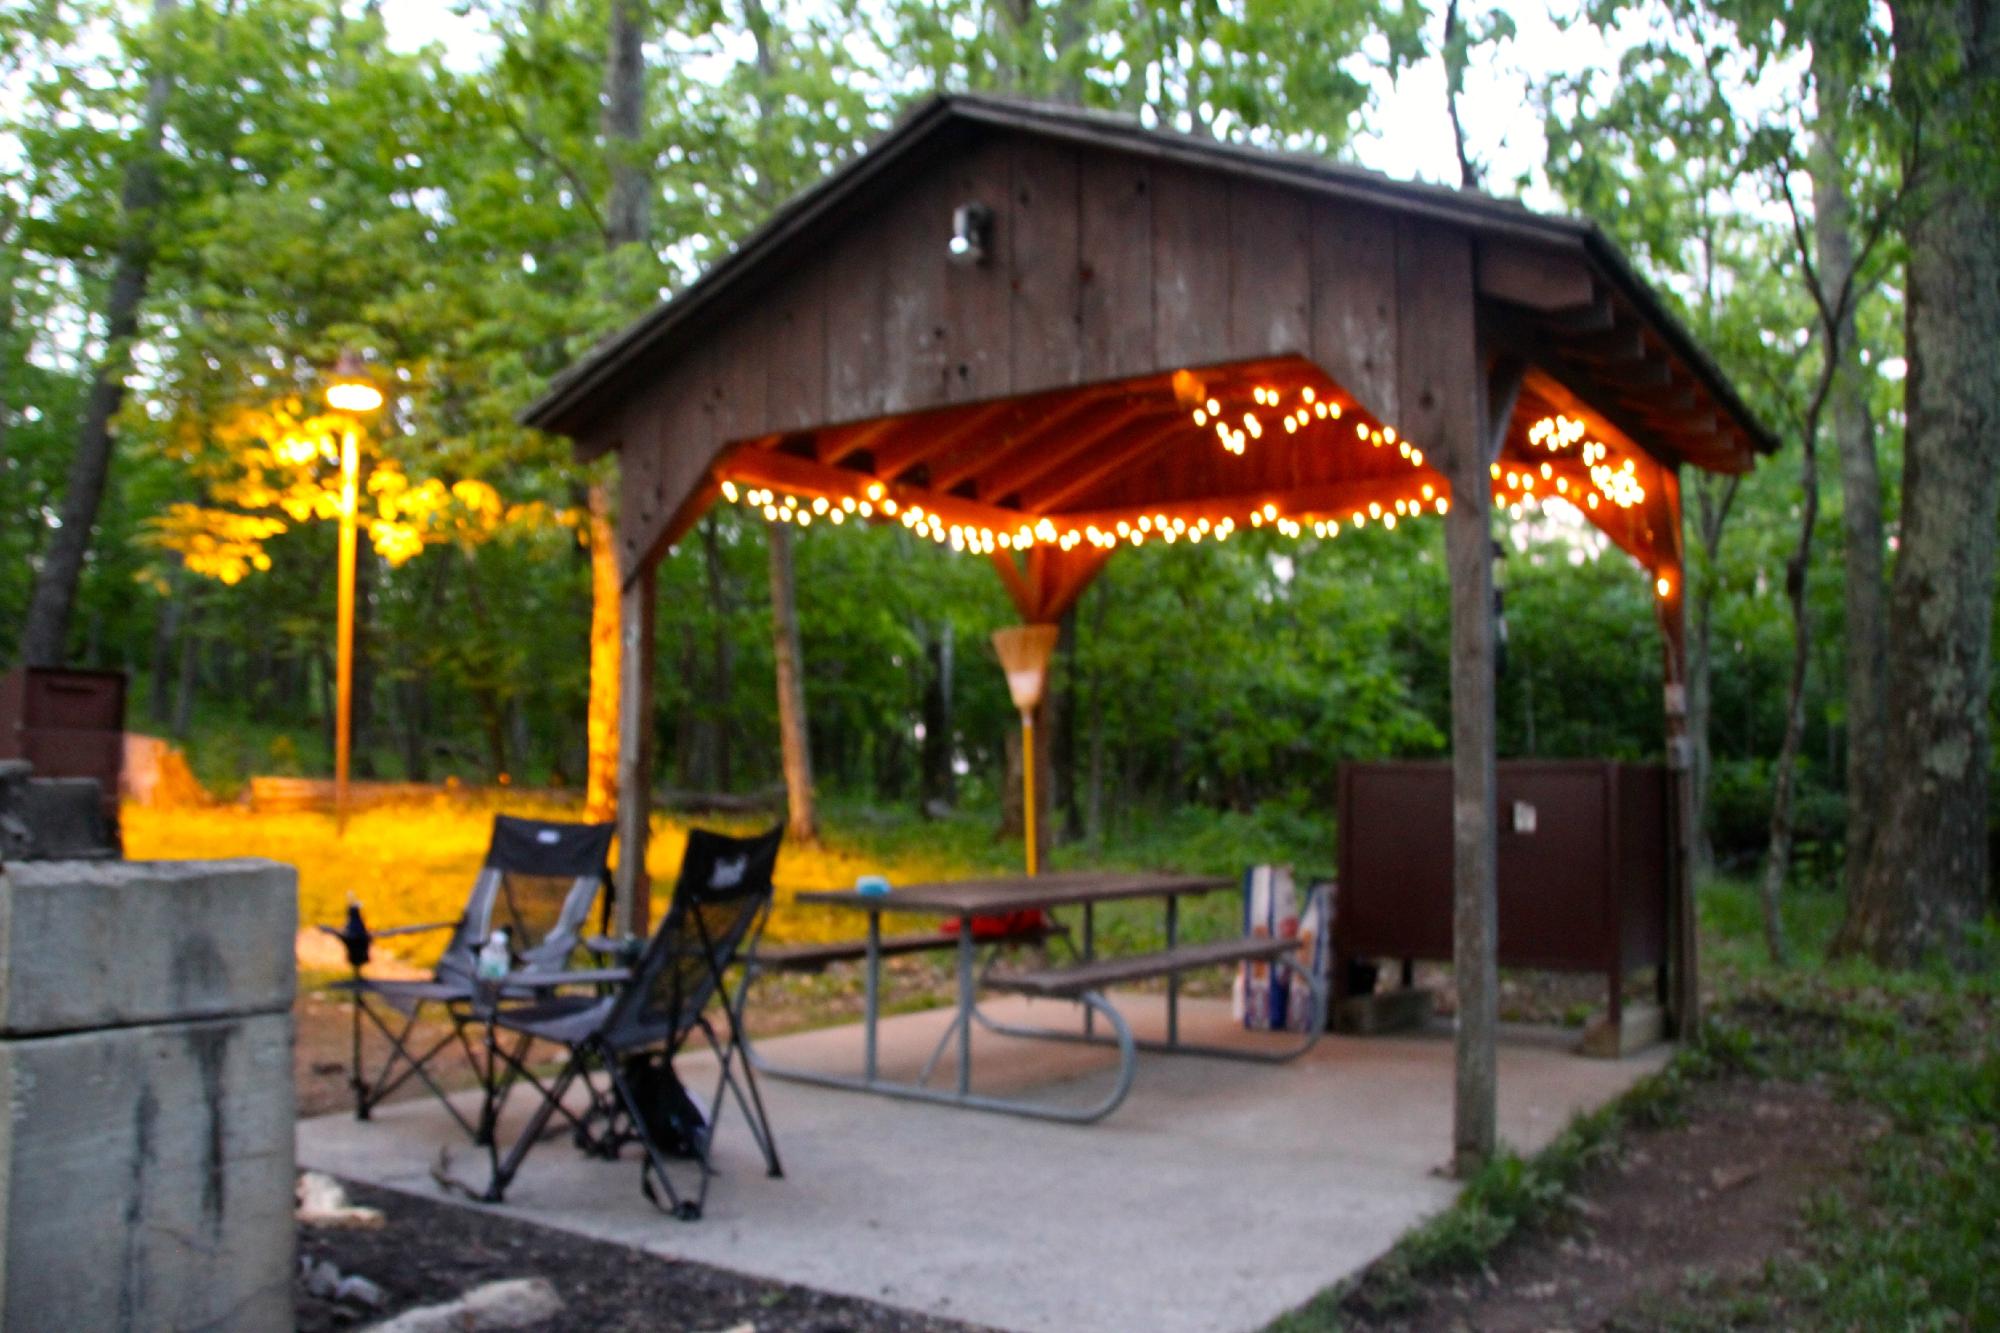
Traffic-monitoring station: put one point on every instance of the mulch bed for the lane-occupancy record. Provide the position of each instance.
(1662, 1230)
(430, 1251)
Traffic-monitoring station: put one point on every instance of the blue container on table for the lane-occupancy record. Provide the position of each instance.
(873, 886)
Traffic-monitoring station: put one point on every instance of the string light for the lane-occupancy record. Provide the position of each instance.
(801, 508)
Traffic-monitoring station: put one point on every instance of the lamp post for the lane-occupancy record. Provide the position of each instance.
(351, 395)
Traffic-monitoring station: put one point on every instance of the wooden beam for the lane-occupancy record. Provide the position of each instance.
(919, 447)
(1051, 495)
(1613, 346)
(1028, 465)
(1019, 591)
(632, 888)
(838, 446)
(1538, 277)
(1059, 578)
(1034, 433)
(1600, 315)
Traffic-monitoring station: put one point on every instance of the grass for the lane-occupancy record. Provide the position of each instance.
(1912, 1242)
(414, 861)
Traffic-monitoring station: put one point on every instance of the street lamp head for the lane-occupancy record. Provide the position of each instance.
(351, 390)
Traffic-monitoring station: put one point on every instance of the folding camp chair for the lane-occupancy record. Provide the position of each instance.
(538, 881)
(719, 906)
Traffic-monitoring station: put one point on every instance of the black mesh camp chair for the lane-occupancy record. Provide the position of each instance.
(538, 881)
(719, 906)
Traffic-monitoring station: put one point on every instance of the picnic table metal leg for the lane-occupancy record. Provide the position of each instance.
(965, 1005)
(1173, 978)
(873, 995)
(1089, 953)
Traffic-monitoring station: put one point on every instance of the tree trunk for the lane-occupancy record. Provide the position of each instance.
(1093, 814)
(1064, 734)
(803, 825)
(722, 655)
(600, 798)
(166, 638)
(940, 782)
(627, 218)
(190, 666)
(1927, 868)
(1713, 501)
(44, 638)
(1860, 486)
(1778, 857)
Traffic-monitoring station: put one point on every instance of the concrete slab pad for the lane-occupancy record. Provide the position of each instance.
(1217, 1197)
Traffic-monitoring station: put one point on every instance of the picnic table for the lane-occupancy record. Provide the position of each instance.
(1083, 981)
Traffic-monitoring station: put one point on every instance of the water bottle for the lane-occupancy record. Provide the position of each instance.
(493, 958)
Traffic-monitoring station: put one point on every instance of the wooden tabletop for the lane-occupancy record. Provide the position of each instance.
(982, 897)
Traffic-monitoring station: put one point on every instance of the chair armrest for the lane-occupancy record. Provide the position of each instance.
(624, 947)
(410, 930)
(592, 976)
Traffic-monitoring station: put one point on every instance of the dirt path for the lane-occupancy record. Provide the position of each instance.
(1660, 1232)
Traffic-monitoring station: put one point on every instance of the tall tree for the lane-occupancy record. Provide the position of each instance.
(1863, 587)
(802, 819)
(627, 222)
(44, 639)
(1926, 879)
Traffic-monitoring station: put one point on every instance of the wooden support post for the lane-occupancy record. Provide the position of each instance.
(1474, 417)
(635, 751)
(1469, 554)
(1683, 990)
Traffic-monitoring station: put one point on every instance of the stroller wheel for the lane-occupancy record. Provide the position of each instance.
(689, 1211)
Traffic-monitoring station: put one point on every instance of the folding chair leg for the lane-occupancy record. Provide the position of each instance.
(504, 1170)
(354, 1079)
(753, 1107)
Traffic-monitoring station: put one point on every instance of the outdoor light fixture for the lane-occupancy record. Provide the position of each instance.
(971, 233)
(351, 390)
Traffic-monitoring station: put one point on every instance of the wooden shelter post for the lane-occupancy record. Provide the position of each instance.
(635, 749)
(1682, 991)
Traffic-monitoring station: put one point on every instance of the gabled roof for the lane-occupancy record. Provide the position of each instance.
(571, 398)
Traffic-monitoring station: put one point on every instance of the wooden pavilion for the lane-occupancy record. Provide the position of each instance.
(1041, 334)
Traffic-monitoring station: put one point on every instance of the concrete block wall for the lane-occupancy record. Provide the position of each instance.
(146, 1164)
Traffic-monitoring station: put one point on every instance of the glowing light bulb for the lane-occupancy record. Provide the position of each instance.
(1307, 393)
(1200, 417)
(1214, 408)
(729, 491)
